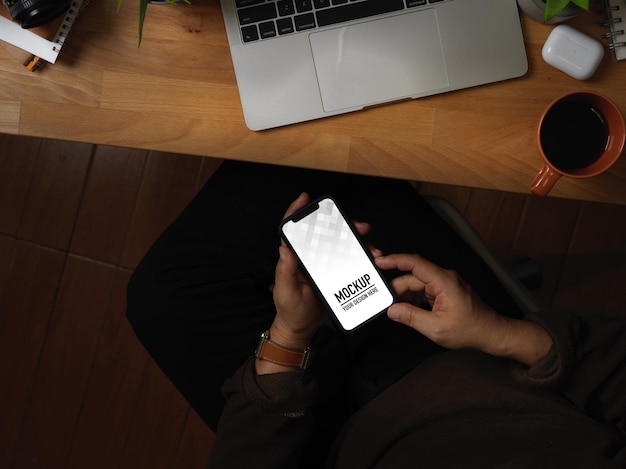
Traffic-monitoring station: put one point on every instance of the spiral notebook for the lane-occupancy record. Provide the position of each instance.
(44, 41)
(616, 22)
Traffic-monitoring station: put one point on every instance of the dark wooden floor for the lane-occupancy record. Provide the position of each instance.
(76, 388)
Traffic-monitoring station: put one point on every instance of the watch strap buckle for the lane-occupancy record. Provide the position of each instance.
(271, 351)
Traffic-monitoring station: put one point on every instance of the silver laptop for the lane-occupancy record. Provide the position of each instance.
(298, 60)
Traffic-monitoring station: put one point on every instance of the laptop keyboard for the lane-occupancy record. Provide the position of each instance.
(264, 19)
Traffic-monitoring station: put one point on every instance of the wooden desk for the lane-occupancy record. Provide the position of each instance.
(177, 93)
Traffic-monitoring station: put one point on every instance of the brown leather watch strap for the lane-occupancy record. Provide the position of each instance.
(276, 353)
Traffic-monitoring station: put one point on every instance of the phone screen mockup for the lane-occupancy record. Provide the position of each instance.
(338, 264)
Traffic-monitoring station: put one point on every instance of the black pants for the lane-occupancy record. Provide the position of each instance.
(199, 299)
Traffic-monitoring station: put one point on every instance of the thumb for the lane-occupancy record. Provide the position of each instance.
(287, 268)
(407, 314)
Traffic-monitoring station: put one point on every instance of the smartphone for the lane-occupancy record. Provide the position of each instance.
(339, 266)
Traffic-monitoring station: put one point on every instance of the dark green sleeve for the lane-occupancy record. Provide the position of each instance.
(266, 421)
(587, 364)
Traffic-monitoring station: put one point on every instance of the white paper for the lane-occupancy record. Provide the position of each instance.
(29, 41)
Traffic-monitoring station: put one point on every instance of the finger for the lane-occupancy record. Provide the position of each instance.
(362, 227)
(421, 268)
(297, 204)
(375, 251)
(408, 289)
(409, 315)
(286, 276)
(407, 283)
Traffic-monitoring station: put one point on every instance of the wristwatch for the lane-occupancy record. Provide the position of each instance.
(272, 352)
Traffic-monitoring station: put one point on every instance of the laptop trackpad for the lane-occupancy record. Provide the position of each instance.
(379, 60)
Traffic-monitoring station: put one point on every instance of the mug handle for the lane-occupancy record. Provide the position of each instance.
(545, 179)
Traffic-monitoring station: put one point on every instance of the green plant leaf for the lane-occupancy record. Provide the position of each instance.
(553, 7)
(584, 4)
(143, 6)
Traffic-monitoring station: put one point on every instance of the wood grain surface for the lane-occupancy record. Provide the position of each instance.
(177, 93)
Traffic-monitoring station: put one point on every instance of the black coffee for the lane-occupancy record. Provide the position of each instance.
(573, 135)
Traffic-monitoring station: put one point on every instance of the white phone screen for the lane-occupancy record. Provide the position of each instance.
(337, 263)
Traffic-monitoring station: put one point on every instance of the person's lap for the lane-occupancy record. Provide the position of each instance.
(200, 298)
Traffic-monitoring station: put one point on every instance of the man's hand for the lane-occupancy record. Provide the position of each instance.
(298, 311)
(457, 318)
